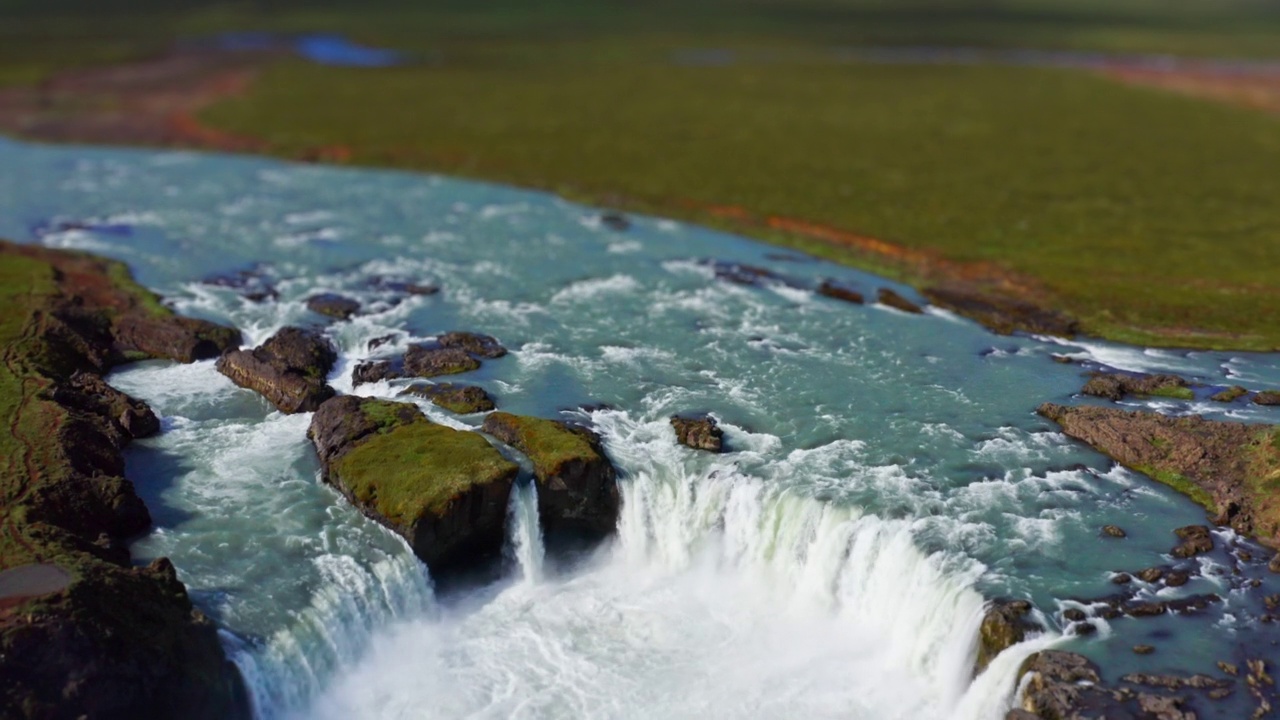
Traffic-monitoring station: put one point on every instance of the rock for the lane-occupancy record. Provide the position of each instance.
(126, 418)
(1061, 684)
(1122, 579)
(289, 369)
(484, 346)
(1163, 707)
(577, 485)
(832, 289)
(1274, 565)
(406, 287)
(428, 361)
(1143, 649)
(182, 339)
(1151, 574)
(1114, 531)
(1073, 614)
(333, 305)
(1115, 386)
(1062, 359)
(379, 341)
(744, 274)
(615, 221)
(1020, 714)
(1223, 466)
(460, 399)
(1176, 578)
(1196, 540)
(1005, 624)
(1146, 609)
(253, 284)
(444, 491)
(374, 371)
(698, 432)
(888, 297)
(1000, 312)
(1267, 397)
(1230, 394)
(1228, 668)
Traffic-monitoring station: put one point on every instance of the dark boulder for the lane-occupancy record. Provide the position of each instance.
(1114, 531)
(289, 369)
(1267, 397)
(577, 485)
(484, 346)
(333, 305)
(615, 221)
(888, 297)
(432, 361)
(833, 289)
(374, 371)
(407, 287)
(698, 432)
(445, 491)
(182, 339)
(460, 399)
(744, 274)
(1005, 624)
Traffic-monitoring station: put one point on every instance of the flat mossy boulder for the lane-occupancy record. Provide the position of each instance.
(460, 399)
(433, 361)
(1230, 468)
(1115, 386)
(445, 491)
(1230, 394)
(577, 485)
(289, 369)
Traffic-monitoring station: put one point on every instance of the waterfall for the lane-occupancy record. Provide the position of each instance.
(524, 533)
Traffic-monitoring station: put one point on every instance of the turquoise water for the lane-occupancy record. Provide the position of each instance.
(887, 472)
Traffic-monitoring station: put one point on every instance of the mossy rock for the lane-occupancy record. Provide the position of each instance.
(1005, 624)
(1230, 394)
(460, 399)
(445, 491)
(577, 485)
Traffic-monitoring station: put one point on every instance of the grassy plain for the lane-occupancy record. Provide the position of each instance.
(1147, 215)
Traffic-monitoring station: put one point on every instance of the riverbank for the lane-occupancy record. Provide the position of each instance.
(82, 629)
(1023, 191)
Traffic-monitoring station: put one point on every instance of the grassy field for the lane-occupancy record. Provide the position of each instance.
(1149, 216)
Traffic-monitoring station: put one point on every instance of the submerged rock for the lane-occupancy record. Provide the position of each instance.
(699, 432)
(1230, 394)
(333, 305)
(1005, 624)
(886, 296)
(289, 369)
(577, 485)
(445, 491)
(1114, 386)
(1196, 540)
(1225, 466)
(832, 289)
(615, 221)
(460, 399)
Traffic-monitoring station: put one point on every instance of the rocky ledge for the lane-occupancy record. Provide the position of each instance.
(577, 485)
(83, 633)
(1115, 386)
(289, 369)
(460, 399)
(445, 491)
(1229, 468)
(450, 354)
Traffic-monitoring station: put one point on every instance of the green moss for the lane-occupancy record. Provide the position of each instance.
(548, 444)
(1231, 394)
(1174, 391)
(419, 468)
(1180, 483)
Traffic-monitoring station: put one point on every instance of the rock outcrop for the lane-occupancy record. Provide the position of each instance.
(484, 346)
(577, 485)
(1115, 386)
(1267, 397)
(333, 305)
(833, 289)
(289, 369)
(83, 633)
(1230, 394)
(449, 354)
(445, 491)
(460, 399)
(1005, 624)
(427, 361)
(1229, 468)
(698, 432)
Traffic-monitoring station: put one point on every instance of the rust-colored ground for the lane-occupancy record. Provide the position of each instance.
(1256, 90)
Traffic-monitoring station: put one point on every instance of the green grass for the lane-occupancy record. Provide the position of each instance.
(418, 469)
(1181, 484)
(1177, 393)
(1144, 214)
